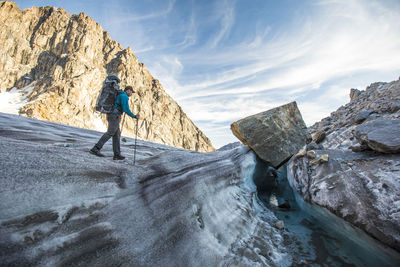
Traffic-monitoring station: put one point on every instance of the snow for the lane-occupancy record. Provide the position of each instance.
(12, 101)
(98, 123)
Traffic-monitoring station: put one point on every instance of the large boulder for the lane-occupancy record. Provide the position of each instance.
(382, 135)
(274, 135)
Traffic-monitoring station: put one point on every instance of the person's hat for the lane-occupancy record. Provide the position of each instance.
(129, 88)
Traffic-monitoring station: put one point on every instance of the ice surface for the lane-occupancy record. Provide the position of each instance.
(60, 205)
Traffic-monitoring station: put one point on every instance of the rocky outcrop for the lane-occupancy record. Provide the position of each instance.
(359, 181)
(378, 100)
(361, 188)
(58, 62)
(274, 135)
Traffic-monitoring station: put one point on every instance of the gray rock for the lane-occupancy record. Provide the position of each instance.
(230, 146)
(359, 148)
(362, 116)
(381, 135)
(363, 189)
(274, 135)
(314, 146)
(395, 106)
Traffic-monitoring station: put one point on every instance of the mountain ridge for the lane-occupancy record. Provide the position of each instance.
(65, 58)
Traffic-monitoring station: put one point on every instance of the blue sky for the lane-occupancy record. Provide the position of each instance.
(223, 60)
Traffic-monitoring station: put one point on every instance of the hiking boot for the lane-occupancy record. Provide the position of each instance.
(118, 157)
(95, 151)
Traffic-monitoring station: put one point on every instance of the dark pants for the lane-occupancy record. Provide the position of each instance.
(112, 131)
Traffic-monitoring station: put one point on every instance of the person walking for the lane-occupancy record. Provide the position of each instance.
(121, 105)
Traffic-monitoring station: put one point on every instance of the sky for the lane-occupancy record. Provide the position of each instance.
(224, 60)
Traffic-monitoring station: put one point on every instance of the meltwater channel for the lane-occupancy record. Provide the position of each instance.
(316, 237)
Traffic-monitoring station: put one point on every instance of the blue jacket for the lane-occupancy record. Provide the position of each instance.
(121, 105)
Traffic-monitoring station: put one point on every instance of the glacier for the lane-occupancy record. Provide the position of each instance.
(61, 206)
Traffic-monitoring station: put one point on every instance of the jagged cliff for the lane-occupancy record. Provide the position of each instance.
(58, 62)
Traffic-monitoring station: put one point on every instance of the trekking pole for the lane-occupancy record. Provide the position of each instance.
(134, 151)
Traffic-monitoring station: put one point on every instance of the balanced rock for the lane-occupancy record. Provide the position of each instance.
(274, 135)
(381, 135)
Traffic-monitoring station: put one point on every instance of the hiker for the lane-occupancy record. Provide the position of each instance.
(120, 106)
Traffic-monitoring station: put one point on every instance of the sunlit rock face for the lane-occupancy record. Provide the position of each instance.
(274, 135)
(360, 180)
(61, 206)
(56, 63)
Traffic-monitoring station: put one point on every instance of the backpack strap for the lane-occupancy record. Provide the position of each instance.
(117, 106)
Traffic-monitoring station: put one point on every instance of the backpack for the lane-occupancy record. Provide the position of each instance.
(108, 94)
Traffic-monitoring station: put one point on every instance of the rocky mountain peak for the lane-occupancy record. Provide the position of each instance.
(380, 99)
(56, 62)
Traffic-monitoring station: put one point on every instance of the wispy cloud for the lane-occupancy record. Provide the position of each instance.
(339, 39)
(312, 57)
(226, 16)
(190, 32)
(127, 16)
